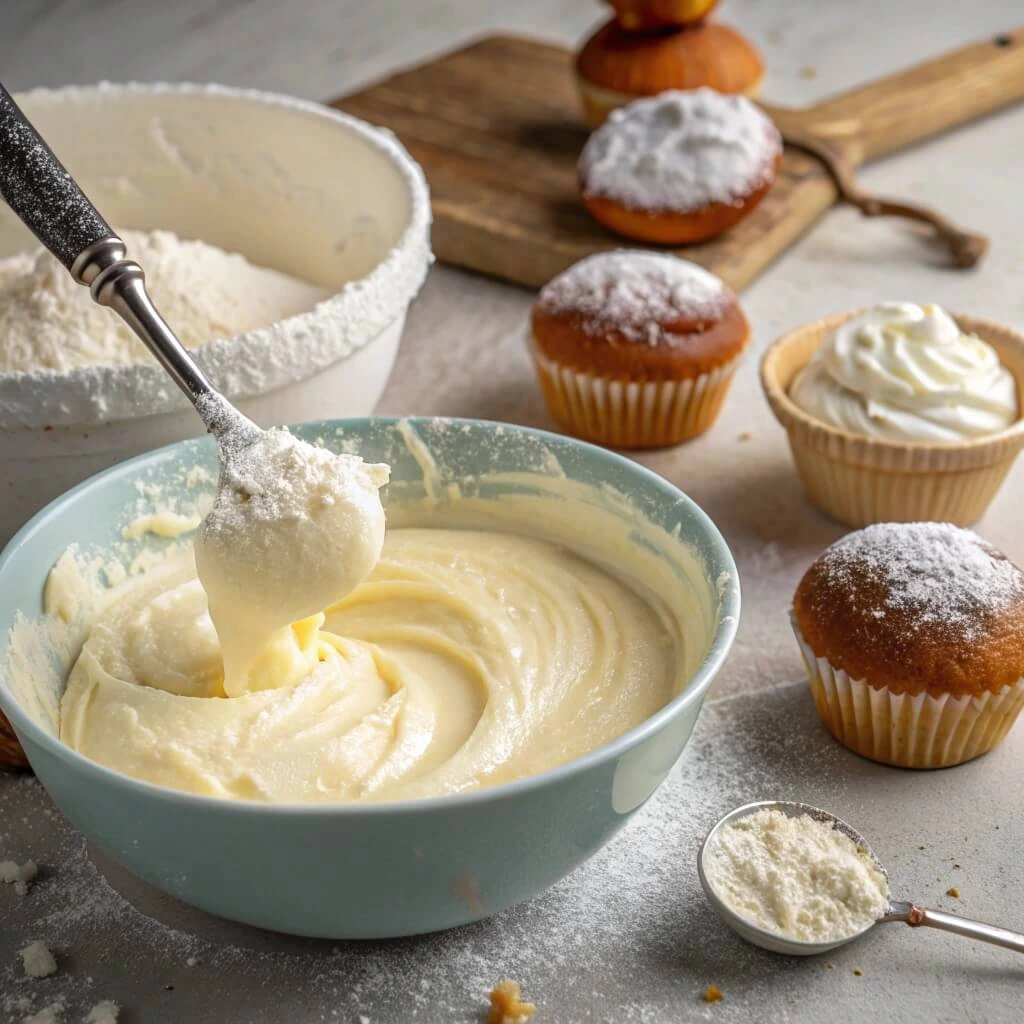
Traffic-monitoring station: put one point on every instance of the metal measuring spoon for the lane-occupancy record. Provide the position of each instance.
(39, 189)
(899, 910)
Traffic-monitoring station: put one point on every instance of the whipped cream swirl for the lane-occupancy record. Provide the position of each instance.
(903, 372)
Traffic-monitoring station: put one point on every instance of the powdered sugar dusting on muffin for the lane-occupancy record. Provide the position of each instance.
(937, 574)
(634, 294)
(681, 151)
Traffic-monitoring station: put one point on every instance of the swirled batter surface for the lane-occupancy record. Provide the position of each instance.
(466, 658)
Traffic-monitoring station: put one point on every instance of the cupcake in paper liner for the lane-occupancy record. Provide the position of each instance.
(636, 349)
(900, 412)
(913, 639)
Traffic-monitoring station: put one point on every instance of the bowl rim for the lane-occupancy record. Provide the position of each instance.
(91, 395)
(692, 693)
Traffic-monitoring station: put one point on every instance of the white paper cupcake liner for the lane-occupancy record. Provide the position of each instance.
(632, 414)
(908, 730)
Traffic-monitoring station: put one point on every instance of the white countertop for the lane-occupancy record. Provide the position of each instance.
(647, 945)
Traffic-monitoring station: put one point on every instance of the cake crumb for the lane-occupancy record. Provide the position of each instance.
(745, 436)
(18, 875)
(858, 972)
(807, 71)
(104, 1012)
(38, 961)
(954, 892)
(507, 1006)
(712, 994)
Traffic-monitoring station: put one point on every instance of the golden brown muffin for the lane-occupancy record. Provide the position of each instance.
(636, 15)
(616, 66)
(913, 634)
(636, 349)
(680, 167)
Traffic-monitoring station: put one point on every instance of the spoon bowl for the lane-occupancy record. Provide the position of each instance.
(746, 928)
(899, 910)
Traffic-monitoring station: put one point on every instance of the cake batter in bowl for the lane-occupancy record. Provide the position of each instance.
(472, 831)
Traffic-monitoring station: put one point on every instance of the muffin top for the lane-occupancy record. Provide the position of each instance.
(916, 607)
(647, 313)
(681, 152)
(644, 63)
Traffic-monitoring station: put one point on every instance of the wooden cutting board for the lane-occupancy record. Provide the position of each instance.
(497, 129)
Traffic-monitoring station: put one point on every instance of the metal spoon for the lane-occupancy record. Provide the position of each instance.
(899, 910)
(53, 207)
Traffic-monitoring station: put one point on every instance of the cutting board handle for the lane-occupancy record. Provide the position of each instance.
(924, 100)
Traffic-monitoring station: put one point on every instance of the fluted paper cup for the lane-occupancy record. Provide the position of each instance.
(632, 414)
(909, 730)
(860, 480)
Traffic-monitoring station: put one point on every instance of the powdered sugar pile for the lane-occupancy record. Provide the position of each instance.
(49, 322)
(938, 574)
(681, 151)
(636, 294)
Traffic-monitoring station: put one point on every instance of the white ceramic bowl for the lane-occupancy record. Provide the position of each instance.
(289, 184)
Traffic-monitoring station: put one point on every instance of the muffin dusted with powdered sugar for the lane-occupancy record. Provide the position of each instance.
(680, 167)
(913, 637)
(636, 349)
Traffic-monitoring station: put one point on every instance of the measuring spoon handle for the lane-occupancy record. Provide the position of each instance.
(920, 917)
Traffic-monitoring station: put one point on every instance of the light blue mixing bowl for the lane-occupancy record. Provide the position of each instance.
(387, 869)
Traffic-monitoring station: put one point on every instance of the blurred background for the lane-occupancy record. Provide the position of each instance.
(322, 48)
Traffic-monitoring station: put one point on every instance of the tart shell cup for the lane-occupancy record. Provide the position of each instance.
(860, 480)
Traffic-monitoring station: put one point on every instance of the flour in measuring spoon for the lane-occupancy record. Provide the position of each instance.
(796, 876)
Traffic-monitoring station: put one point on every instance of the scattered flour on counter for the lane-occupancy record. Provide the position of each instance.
(38, 961)
(637, 901)
(49, 322)
(51, 1014)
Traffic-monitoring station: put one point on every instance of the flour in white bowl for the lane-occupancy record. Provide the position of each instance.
(50, 322)
(796, 876)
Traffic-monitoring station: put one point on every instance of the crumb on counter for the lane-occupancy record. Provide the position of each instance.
(745, 436)
(104, 1012)
(712, 994)
(858, 972)
(18, 875)
(507, 1006)
(38, 961)
(954, 892)
(808, 72)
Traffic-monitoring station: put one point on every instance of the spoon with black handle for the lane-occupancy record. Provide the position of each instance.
(39, 189)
